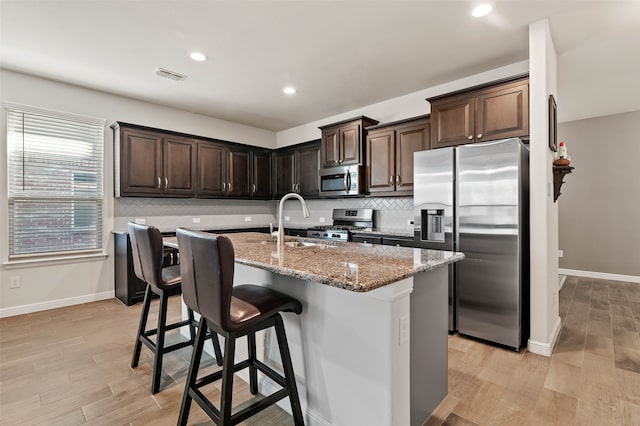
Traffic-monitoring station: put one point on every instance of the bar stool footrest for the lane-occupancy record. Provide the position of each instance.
(254, 408)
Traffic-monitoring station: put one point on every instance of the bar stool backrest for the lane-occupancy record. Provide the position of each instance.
(147, 252)
(207, 268)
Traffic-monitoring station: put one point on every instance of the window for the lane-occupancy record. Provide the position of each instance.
(55, 165)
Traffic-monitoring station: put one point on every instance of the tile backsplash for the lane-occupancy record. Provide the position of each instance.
(167, 213)
(390, 213)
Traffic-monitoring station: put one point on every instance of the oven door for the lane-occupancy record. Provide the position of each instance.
(344, 180)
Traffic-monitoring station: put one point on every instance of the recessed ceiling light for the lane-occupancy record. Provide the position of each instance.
(482, 10)
(197, 56)
(289, 90)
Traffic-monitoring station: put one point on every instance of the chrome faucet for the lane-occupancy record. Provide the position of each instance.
(305, 212)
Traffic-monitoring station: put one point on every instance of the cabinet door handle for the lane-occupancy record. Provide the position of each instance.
(397, 180)
(254, 187)
(479, 135)
(391, 180)
(224, 186)
(159, 183)
(297, 187)
(228, 186)
(166, 182)
(470, 137)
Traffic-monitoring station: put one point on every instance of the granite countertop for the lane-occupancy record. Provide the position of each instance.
(351, 266)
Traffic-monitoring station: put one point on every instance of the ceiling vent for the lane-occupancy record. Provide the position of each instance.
(172, 75)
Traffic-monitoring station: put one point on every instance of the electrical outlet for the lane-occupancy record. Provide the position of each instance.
(286, 218)
(321, 219)
(404, 330)
(196, 220)
(14, 282)
(560, 253)
(247, 218)
(140, 221)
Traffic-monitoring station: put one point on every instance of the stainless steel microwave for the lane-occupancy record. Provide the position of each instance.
(342, 180)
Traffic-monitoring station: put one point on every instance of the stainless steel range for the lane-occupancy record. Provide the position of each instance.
(344, 220)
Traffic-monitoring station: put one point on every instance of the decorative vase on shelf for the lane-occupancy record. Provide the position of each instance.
(563, 159)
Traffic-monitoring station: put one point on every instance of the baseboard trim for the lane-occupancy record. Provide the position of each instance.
(563, 278)
(546, 349)
(53, 304)
(599, 275)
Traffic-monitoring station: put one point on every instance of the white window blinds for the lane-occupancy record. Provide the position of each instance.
(55, 166)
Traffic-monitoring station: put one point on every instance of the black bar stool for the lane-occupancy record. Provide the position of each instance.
(147, 252)
(207, 266)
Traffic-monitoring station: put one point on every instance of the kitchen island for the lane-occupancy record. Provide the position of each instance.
(371, 344)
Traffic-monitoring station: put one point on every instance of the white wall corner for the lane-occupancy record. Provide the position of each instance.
(543, 210)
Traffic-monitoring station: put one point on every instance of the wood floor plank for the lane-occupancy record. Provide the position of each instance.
(480, 406)
(553, 408)
(440, 414)
(628, 386)
(563, 378)
(597, 405)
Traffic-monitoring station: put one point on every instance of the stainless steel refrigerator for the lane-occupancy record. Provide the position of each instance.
(475, 199)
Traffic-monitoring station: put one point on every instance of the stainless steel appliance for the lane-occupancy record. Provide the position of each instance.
(342, 180)
(475, 199)
(344, 220)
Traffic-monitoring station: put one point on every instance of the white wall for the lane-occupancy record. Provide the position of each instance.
(598, 210)
(545, 321)
(45, 286)
(399, 108)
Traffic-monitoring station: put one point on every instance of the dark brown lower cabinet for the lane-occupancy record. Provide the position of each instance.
(129, 289)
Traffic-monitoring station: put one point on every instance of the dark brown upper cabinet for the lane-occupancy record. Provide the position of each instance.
(223, 170)
(261, 186)
(342, 142)
(153, 164)
(483, 113)
(390, 149)
(297, 170)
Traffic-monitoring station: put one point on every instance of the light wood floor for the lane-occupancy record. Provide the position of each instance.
(592, 378)
(70, 366)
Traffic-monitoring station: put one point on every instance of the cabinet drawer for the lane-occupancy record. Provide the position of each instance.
(399, 242)
(363, 238)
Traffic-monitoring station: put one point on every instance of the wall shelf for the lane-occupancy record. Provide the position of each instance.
(559, 173)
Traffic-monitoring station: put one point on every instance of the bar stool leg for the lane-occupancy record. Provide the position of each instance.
(287, 366)
(192, 375)
(142, 326)
(253, 370)
(192, 327)
(227, 378)
(159, 349)
(216, 347)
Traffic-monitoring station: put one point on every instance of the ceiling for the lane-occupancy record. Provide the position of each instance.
(339, 55)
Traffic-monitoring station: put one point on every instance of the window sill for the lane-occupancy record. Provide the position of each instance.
(57, 260)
